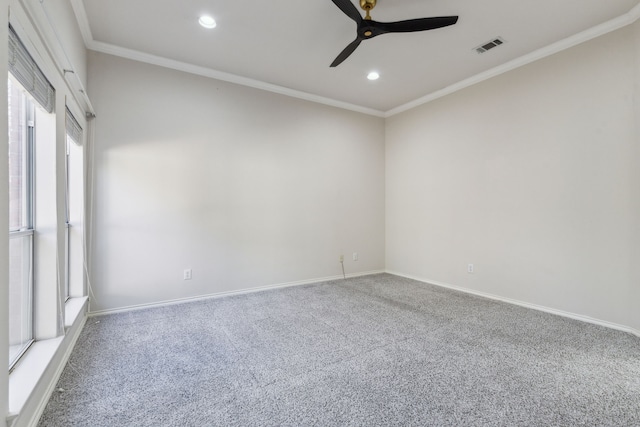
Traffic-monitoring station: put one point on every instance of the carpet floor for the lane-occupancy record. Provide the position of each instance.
(370, 351)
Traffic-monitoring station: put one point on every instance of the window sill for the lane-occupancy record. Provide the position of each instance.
(25, 377)
(29, 373)
(72, 309)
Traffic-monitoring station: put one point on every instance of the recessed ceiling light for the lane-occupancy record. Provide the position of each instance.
(207, 21)
(373, 76)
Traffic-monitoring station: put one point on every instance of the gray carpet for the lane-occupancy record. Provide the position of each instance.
(371, 351)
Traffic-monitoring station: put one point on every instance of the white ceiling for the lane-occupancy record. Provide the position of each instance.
(287, 45)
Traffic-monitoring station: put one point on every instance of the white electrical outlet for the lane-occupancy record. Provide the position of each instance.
(470, 268)
(341, 258)
(187, 274)
(355, 256)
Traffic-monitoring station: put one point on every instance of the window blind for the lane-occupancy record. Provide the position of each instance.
(27, 72)
(73, 128)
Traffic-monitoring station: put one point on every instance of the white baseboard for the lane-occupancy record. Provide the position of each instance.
(545, 309)
(227, 293)
(557, 312)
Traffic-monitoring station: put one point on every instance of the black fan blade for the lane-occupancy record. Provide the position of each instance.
(346, 52)
(411, 25)
(349, 9)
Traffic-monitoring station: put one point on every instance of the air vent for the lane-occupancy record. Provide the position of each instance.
(489, 45)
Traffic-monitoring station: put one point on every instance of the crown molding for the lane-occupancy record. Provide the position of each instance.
(91, 44)
(83, 21)
(227, 77)
(599, 30)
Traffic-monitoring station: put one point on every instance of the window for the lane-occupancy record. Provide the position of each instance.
(32, 203)
(21, 148)
(67, 223)
(74, 203)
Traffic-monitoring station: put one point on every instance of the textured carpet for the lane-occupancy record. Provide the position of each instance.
(371, 351)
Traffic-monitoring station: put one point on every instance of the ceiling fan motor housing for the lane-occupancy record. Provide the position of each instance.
(367, 6)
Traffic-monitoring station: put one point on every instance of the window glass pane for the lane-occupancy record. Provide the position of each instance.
(20, 120)
(74, 210)
(66, 180)
(20, 295)
(18, 158)
(67, 248)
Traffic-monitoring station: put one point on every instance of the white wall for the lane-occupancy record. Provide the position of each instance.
(62, 15)
(634, 301)
(532, 177)
(247, 188)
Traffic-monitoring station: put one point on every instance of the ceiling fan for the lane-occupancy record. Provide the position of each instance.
(368, 28)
